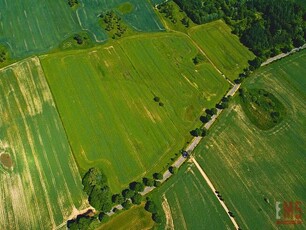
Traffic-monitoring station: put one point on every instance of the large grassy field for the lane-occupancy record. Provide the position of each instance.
(38, 26)
(187, 202)
(31, 27)
(255, 168)
(138, 14)
(42, 186)
(222, 47)
(135, 218)
(105, 98)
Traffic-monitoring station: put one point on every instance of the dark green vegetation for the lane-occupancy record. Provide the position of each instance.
(4, 56)
(108, 110)
(254, 168)
(198, 132)
(186, 202)
(173, 17)
(113, 24)
(199, 58)
(40, 181)
(96, 186)
(263, 108)
(81, 40)
(266, 27)
(83, 223)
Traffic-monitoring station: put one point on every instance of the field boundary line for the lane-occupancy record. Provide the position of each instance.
(211, 186)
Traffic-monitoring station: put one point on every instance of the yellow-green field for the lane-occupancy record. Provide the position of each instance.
(135, 218)
(187, 202)
(105, 99)
(43, 186)
(222, 47)
(253, 168)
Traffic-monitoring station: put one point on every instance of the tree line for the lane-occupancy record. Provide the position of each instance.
(266, 27)
(96, 187)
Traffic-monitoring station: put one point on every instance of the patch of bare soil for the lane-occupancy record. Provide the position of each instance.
(6, 161)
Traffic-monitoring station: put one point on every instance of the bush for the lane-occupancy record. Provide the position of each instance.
(157, 183)
(102, 216)
(150, 206)
(137, 186)
(115, 210)
(127, 204)
(198, 132)
(158, 176)
(117, 199)
(95, 185)
(156, 99)
(173, 170)
(148, 182)
(136, 199)
(127, 193)
(156, 217)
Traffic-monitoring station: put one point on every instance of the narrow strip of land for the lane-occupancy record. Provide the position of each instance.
(282, 55)
(211, 186)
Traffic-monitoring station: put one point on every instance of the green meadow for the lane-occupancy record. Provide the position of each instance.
(186, 202)
(255, 168)
(35, 27)
(135, 218)
(30, 27)
(222, 47)
(43, 186)
(105, 99)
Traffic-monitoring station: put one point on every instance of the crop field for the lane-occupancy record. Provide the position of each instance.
(31, 27)
(40, 182)
(188, 203)
(141, 17)
(135, 218)
(222, 47)
(34, 27)
(253, 168)
(105, 98)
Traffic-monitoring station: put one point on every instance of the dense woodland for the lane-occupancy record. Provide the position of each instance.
(266, 27)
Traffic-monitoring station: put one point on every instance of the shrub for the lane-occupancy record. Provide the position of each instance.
(158, 176)
(148, 182)
(126, 204)
(156, 217)
(173, 170)
(150, 206)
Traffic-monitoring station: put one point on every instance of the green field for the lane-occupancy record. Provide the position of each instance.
(35, 27)
(188, 203)
(222, 47)
(254, 168)
(105, 99)
(31, 27)
(135, 218)
(137, 14)
(43, 187)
